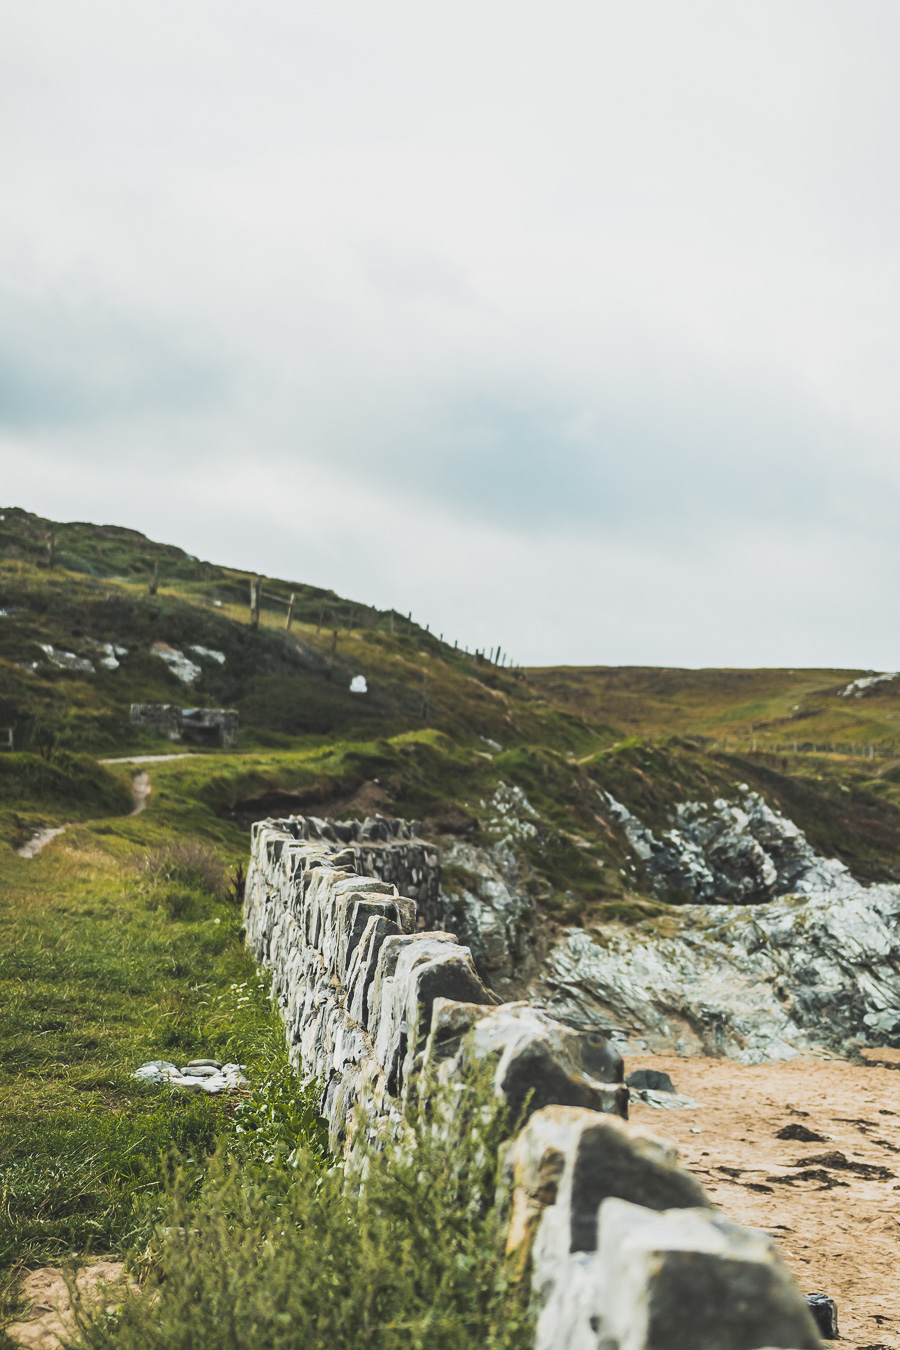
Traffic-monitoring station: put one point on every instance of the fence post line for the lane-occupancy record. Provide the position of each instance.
(255, 596)
(290, 614)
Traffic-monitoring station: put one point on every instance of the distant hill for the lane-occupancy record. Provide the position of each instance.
(777, 711)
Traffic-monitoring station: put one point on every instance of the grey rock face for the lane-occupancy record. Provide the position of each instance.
(492, 911)
(755, 982)
(742, 852)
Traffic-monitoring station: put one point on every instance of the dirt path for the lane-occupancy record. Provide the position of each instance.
(140, 791)
(838, 1228)
(148, 759)
(33, 846)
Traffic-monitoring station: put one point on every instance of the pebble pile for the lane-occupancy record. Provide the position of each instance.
(201, 1075)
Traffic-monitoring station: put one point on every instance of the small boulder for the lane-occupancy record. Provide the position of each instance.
(654, 1079)
(824, 1311)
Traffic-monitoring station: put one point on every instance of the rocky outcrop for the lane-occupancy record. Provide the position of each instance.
(485, 893)
(624, 1249)
(755, 982)
(738, 851)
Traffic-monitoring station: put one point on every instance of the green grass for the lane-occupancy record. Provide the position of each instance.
(35, 792)
(96, 977)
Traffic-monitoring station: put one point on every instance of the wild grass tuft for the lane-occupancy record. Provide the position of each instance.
(402, 1252)
(181, 877)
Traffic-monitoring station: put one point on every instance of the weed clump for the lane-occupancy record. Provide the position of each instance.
(181, 877)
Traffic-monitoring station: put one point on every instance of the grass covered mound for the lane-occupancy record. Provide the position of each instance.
(56, 788)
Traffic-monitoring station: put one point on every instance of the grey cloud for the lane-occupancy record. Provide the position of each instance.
(69, 363)
(412, 273)
(630, 458)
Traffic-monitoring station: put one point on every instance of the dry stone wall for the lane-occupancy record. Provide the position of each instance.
(623, 1247)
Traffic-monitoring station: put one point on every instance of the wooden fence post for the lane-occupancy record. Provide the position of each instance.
(255, 592)
(290, 614)
(154, 580)
(51, 550)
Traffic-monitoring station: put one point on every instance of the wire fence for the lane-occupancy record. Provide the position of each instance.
(782, 749)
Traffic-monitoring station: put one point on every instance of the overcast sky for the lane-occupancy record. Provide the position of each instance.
(572, 327)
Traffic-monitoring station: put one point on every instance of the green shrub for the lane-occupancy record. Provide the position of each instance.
(182, 878)
(186, 862)
(404, 1252)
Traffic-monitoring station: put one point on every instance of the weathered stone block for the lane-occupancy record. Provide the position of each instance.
(588, 1158)
(690, 1280)
(538, 1062)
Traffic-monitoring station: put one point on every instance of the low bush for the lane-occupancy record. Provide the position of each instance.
(187, 862)
(181, 878)
(403, 1252)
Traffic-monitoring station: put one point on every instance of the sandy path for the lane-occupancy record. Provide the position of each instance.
(33, 846)
(148, 759)
(839, 1231)
(140, 791)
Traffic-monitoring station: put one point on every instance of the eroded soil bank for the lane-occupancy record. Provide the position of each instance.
(837, 1223)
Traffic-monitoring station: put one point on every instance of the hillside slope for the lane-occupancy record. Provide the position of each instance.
(437, 734)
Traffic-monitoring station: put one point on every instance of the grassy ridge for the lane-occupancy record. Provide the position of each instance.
(740, 708)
